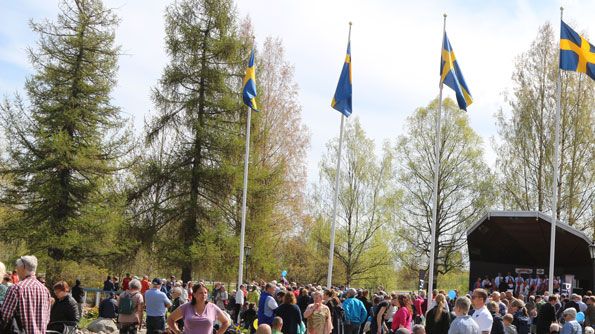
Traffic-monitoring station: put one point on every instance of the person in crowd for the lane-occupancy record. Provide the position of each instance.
(130, 308)
(393, 306)
(290, 313)
(581, 304)
(589, 330)
(571, 326)
(177, 301)
(145, 285)
(438, 318)
(355, 313)
(189, 286)
(331, 300)
(379, 310)
(79, 295)
(116, 281)
(509, 328)
(303, 300)
(404, 315)
(15, 277)
(222, 297)
(521, 317)
(156, 303)
(555, 328)
(480, 313)
(572, 302)
(254, 296)
(126, 281)
(546, 315)
(590, 313)
(463, 323)
(418, 329)
(3, 284)
(248, 317)
(277, 325)
(418, 311)
(199, 315)
(264, 329)
(318, 315)
(108, 284)
(502, 309)
(497, 322)
(108, 308)
(30, 296)
(64, 310)
(267, 304)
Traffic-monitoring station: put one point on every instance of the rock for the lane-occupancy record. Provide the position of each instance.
(102, 325)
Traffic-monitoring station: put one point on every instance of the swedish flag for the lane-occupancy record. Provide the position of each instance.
(249, 85)
(576, 53)
(451, 75)
(342, 99)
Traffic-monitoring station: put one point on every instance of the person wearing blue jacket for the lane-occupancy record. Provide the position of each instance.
(355, 313)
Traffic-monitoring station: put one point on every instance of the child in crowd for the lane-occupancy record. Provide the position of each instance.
(509, 328)
(463, 323)
(277, 325)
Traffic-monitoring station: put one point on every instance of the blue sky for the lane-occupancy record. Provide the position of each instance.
(395, 53)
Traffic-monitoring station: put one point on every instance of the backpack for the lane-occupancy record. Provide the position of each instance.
(126, 305)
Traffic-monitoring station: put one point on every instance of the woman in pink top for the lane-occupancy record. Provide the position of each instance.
(199, 315)
(404, 315)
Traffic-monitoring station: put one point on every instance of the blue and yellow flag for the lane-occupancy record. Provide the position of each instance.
(249, 85)
(576, 54)
(342, 99)
(451, 75)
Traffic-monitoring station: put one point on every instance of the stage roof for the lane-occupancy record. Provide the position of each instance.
(523, 237)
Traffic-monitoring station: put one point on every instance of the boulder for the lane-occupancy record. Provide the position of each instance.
(102, 325)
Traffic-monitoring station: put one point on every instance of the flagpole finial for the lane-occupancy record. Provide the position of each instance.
(561, 12)
(445, 15)
(350, 23)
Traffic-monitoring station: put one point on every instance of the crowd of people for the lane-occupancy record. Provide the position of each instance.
(520, 284)
(173, 306)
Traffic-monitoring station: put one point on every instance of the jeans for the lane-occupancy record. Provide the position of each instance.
(155, 324)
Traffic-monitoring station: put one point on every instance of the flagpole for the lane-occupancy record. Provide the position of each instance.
(329, 276)
(555, 177)
(244, 196)
(436, 172)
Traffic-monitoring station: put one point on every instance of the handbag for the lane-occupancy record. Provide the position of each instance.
(12, 327)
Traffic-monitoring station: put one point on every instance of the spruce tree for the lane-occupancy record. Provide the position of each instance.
(65, 140)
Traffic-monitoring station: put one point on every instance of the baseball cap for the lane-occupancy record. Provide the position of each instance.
(156, 281)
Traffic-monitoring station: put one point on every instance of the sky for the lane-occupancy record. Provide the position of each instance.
(395, 48)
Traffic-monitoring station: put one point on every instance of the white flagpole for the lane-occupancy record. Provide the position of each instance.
(555, 179)
(331, 255)
(329, 277)
(239, 292)
(436, 172)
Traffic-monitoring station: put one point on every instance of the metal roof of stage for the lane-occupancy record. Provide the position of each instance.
(523, 237)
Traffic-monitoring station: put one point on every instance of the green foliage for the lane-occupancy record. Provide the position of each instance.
(366, 198)
(525, 154)
(465, 188)
(65, 145)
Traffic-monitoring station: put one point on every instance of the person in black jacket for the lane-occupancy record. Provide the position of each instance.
(497, 323)
(546, 315)
(108, 285)
(79, 295)
(290, 313)
(64, 309)
(108, 307)
(438, 318)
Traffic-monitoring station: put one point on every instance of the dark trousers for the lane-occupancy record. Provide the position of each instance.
(351, 328)
(155, 325)
(128, 328)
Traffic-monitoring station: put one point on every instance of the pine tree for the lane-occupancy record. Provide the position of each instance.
(64, 144)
